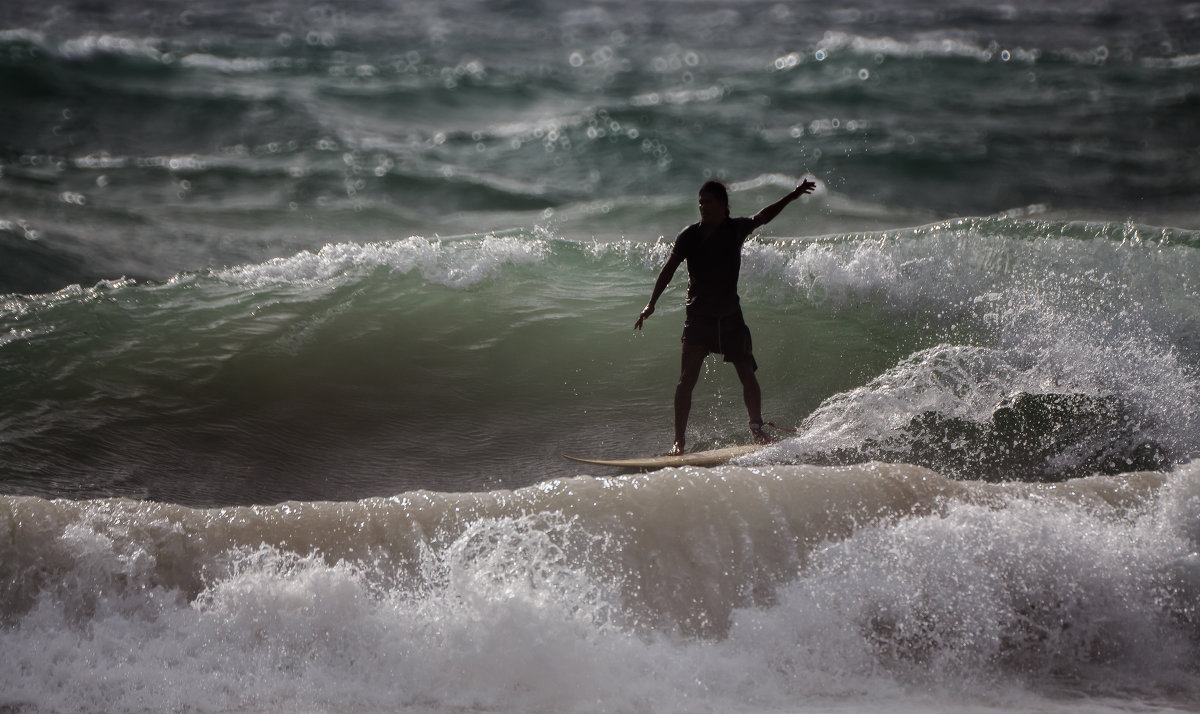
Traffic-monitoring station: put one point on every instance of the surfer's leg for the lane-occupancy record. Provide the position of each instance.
(691, 361)
(752, 395)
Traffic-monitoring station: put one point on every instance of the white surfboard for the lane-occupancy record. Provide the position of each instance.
(712, 457)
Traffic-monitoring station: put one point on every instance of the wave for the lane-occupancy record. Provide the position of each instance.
(661, 591)
(454, 264)
(1040, 436)
(611, 108)
(1057, 350)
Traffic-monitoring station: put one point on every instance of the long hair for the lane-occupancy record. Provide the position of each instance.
(719, 190)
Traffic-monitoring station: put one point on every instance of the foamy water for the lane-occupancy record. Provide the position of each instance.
(771, 589)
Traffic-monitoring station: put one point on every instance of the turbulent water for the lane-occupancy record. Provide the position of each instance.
(300, 305)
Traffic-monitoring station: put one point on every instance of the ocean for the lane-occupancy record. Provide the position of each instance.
(301, 304)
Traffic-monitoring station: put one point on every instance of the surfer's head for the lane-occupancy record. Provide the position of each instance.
(714, 201)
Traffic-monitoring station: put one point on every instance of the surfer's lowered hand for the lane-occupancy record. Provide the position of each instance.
(646, 312)
(664, 277)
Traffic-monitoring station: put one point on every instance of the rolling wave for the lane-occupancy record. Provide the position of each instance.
(1058, 350)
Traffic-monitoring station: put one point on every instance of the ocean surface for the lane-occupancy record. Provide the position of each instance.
(301, 304)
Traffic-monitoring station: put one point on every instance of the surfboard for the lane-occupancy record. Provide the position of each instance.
(712, 457)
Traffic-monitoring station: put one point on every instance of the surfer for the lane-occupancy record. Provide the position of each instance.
(713, 323)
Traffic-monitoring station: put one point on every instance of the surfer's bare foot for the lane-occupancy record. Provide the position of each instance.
(760, 436)
(676, 449)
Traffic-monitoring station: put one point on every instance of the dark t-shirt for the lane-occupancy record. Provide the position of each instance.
(713, 263)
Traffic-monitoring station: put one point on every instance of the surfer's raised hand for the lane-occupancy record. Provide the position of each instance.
(768, 214)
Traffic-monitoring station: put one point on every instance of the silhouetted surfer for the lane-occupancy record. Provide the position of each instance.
(713, 251)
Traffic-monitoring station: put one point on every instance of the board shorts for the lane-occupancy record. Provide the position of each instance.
(727, 335)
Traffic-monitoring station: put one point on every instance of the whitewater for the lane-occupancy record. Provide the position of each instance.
(775, 589)
(302, 303)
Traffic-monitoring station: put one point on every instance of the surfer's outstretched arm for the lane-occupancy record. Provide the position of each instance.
(664, 279)
(768, 214)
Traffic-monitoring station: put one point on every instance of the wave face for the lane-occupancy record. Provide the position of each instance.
(1058, 350)
(301, 305)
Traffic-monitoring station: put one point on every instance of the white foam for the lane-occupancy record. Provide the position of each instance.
(930, 45)
(980, 598)
(234, 65)
(952, 380)
(1183, 61)
(1042, 586)
(88, 46)
(460, 263)
(1055, 314)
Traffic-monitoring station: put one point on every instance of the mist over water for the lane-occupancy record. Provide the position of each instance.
(301, 304)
